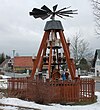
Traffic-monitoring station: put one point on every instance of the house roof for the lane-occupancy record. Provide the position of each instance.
(23, 61)
(97, 54)
(4, 62)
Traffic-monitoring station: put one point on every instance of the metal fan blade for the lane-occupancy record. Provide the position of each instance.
(34, 15)
(46, 9)
(44, 17)
(66, 15)
(63, 9)
(59, 15)
(68, 11)
(38, 13)
(55, 7)
(72, 13)
(39, 16)
(31, 13)
(60, 10)
(68, 7)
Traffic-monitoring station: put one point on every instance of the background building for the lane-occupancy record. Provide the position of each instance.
(96, 62)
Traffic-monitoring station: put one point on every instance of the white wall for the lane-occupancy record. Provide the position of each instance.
(97, 66)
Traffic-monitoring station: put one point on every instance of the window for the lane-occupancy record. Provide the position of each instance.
(98, 62)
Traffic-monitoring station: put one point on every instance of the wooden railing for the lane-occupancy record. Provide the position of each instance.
(87, 89)
(54, 91)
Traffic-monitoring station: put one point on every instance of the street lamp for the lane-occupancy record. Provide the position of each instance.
(13, 62)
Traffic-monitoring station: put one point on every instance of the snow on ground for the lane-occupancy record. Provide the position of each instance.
(4, 76)
(90, 76)
(3, 81)
(18, 102)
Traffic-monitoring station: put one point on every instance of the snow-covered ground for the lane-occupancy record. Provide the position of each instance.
(3, 81)
(4, 76)
(18, 102)
(90, 76)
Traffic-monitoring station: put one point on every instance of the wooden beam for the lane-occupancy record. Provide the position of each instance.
(41, 59)
(45, 37)
(50, 60)
(66, 52)
(73, 66)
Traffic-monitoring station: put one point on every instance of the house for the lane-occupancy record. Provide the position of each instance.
(22, 64)
(96, 62)
(6, 65)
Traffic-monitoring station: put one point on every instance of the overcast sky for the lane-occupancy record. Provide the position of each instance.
(23, 33)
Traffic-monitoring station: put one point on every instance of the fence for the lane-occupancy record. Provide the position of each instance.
(87, 89)
(54, 91)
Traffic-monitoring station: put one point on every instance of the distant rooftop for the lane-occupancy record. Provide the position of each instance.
(23, 61)
(4, 62)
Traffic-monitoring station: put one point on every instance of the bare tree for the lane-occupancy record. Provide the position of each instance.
(80, 49)
(96, 12)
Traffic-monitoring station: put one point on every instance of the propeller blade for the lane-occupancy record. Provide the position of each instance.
(72, 13)
(46, 9)
(68, 11)
(55, 7)
(38, 13)
(44, 17)
(63, 9)
(31, 13)
(59, 15)
(34, 15)
(66, 15)
(60, 10)
(39, 16)
(45, 12)
(68, 7)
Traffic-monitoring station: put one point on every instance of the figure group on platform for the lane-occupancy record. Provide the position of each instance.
(65, 75)
(57, 74)
(61, 75)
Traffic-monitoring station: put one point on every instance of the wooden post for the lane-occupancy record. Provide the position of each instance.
(50, 60)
